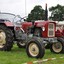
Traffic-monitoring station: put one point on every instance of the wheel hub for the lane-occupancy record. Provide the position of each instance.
(57, 47)
(33, 49)
(2, 39)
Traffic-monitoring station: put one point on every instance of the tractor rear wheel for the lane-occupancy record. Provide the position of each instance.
(35, 49)
(6, 38)
(58, 47)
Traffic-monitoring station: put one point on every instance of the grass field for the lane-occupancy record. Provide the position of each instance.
(19, 56)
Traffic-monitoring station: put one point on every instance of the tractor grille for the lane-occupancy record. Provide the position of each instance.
(51, 32)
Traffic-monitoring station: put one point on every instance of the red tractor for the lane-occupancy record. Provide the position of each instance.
(44, 29)
(28, 34)
(60, 37)
(11, 30)
(47, 30)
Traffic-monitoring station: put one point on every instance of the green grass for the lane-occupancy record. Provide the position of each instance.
(19, 56)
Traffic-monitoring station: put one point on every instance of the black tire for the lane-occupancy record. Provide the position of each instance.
(62, 41)
(21, 45)
(47, 46)
(37, 32)
(8, 40)
(40, 47)
(22, 42)
(61, 49)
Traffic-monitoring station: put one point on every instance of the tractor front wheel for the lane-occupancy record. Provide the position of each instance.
(35, 49)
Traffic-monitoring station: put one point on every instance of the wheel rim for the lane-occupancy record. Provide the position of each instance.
(22, 43)
(57, 47)
(2, 38)
(33, 49)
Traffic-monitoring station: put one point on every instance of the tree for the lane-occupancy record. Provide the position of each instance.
(57, 13)
(36, 14)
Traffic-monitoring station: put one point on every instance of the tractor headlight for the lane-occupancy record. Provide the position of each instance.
(43, 28)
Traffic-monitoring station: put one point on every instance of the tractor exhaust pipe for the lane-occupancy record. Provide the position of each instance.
(46, 13)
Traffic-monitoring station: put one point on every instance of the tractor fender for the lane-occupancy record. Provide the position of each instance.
(6, 23)
(10, 24)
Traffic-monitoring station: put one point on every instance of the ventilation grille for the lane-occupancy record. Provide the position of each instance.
(51, 32)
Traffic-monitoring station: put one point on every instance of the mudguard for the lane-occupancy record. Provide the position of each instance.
(9, 24)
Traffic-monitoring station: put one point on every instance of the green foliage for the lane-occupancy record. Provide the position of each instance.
(57, 13)
(36, 14)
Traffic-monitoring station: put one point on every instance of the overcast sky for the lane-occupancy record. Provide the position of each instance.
(18, 6)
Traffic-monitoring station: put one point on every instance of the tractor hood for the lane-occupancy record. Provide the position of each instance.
(39, 23)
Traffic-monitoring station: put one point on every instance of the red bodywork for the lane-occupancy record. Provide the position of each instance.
(39, 24)
(25, 25)
(9, 24)
(60, 31)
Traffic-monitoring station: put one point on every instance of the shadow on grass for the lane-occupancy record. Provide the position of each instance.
(17, 49)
